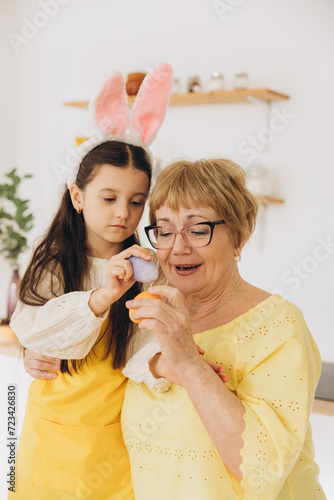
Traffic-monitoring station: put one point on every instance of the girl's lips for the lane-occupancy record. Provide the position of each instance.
(187, 270)
(118, 227)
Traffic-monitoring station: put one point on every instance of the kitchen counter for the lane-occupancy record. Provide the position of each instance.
(9, 343)
(324, 402)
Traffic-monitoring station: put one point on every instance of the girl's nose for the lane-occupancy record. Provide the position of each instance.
(122, 211)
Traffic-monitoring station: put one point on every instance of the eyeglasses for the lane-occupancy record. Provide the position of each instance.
(197, 235)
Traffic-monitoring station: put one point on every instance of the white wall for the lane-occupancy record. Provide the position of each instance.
(8, 119)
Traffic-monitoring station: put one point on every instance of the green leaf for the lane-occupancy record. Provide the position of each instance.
(15, 224)
(14, 177)
(7, 191)
(5, 215)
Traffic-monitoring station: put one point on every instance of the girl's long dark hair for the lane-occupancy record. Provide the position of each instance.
(63, 251)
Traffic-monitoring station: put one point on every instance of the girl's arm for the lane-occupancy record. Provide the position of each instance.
(65, 327)
(40, 366)
(143, 347)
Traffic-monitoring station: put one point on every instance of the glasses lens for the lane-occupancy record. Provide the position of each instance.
(198, 235)
(161, 237)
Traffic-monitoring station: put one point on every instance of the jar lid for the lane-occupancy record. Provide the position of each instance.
(216, 74)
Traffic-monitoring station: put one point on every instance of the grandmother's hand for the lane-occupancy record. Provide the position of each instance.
(160, 368)
(40, 366)
(170, 323)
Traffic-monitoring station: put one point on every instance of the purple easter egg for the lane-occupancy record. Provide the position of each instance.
(144, 271)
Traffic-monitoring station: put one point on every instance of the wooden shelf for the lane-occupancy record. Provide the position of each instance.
(268, 200)
(202, 98)
(323, 406)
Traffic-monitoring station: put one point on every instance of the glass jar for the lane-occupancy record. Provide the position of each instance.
(216, 82)
(241, 80)
(176, 88)
(258, 179)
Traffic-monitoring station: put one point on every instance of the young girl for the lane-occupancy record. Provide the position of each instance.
(71, 305)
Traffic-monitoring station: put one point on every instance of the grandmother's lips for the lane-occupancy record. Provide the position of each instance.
(187, 270)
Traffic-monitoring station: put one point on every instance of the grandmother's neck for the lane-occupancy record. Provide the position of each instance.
(209, 310)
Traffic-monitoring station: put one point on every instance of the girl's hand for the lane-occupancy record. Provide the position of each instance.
(160, 368)
(119, 271)
(118, 279)
(40, 366)
(170, 323)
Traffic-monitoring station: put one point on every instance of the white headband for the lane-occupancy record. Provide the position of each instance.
(112, 115)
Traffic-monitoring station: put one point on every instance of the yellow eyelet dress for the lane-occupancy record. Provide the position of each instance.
(273, 365)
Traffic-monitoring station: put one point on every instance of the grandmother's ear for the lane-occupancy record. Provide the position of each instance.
(239, 248)
(234, 237)
(242, 244)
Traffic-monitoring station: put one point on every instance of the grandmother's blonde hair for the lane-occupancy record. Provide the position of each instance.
(216, 183)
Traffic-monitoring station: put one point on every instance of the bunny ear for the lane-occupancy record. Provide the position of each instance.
(111, 106)
(151, 103)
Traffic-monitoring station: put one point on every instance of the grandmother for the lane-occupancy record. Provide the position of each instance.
(203, 439)
(249, 438)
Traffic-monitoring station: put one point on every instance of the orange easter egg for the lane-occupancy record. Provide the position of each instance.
(142, 295)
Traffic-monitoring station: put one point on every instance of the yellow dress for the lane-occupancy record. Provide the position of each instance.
(273, 365)
(71, 445)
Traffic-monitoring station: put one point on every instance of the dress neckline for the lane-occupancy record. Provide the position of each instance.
(241, 317)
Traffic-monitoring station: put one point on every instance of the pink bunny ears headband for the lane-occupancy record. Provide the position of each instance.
(113, 117)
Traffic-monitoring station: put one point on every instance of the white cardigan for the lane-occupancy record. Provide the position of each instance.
(66, 328)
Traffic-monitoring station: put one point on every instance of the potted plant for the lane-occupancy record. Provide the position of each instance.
(15, 222)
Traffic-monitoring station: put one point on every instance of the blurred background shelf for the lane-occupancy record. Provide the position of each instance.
(269, 200)
(202, 98)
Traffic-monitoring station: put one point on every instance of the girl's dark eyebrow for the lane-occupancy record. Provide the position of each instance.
(110, 190)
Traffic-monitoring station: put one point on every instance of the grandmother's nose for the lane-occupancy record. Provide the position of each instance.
(180, 245)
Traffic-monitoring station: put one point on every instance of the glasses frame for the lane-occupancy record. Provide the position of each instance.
(211, 224)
